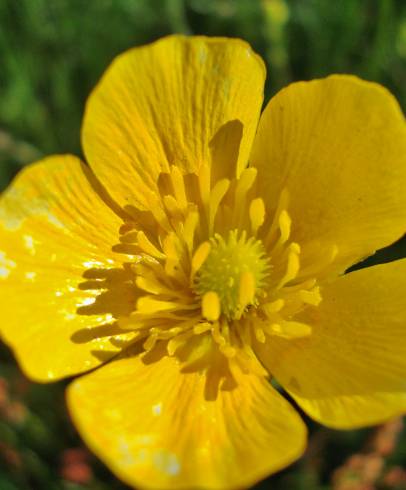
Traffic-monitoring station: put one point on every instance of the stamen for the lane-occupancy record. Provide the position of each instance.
(244, 184)
(191, 222)
(204, 184)
(259, 333)
(147, 247)
(257, 214)
(199, 257)
(228, 351)
(247, 289)
(178, 186)
(321, 258)
(150, 342)
(158, 213)
(129, 237)
(217, 334)
(282, 205)
(293, 265)
(225, 347)
(307, 284)
(273, 307)
(289, 329)
(151, 269)
(217, 194)
(148, 305)
(172, 263)
(165, 334)
(178, 341)
(149, 284)
(311, 297)
(211, 306)
(171, 205)
(202, 328)
(284, 226)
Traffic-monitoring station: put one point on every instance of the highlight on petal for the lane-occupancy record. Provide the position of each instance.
(56, 234)
(338, 145)
(350, 372)
(172, 103)
(151, 424)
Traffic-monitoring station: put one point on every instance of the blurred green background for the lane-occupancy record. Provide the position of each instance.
(51, 55)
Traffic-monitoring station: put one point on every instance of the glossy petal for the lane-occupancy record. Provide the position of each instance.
(163, 104)
(56, 234)
(351, 371)
(338, 146)
(152, 425)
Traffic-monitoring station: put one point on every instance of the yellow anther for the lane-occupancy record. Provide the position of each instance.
(319, 257)
(247, 289)
(178, 341)
(149, 284)
(165, 334)
(312, 297)
(204, 183)
(150, 342)
(245, 182)
(273, 306)
(259, 334)
(257, 214)
(172, 206)
(150, 305)
(216, 196)
(189, 229)
(129, 237)
(155, 206)
(282, 205)
(217, 335)
(228, 351)
(293, 265)
(290, 329)
(148, 247)
(201, 328)
(178, 186)
(285, 224)
(199, 257)
(211, 306)
(170, 246)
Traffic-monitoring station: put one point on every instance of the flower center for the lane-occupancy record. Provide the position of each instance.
(232, 276)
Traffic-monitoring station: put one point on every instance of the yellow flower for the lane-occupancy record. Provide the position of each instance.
(199, 256)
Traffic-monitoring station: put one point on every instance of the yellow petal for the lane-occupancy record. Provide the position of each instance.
(152, 425)
(350, 371)
(339, 146)
(56, 235)
(163, 104)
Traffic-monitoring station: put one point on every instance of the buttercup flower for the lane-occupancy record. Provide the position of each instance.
(200, 256)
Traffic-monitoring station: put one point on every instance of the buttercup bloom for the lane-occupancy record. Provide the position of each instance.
(201, 255)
